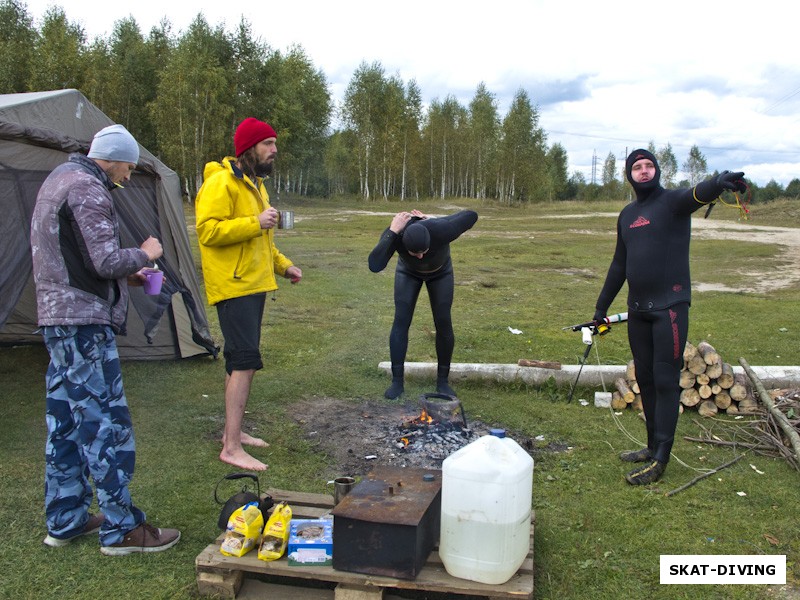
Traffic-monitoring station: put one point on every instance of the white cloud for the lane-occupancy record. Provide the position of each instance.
(606, 76)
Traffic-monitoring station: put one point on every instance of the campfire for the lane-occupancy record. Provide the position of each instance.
(437, 431)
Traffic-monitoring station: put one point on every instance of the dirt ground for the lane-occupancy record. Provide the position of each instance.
(357, 438)
(788, 238)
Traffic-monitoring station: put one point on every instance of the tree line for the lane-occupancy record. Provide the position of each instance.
(183, 95)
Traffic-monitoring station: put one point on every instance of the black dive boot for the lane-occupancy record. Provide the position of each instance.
(442, 386)
(635, 456)
(396, 389)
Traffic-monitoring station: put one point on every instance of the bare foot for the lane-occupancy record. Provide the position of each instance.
(249, 440)
(242, 460)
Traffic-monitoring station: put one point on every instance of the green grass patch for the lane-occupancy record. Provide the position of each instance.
(537, 269)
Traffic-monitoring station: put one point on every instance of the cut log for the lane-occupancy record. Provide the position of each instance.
(630, 371)
(725, 379)
(709, 354)
(733, 409)
(689, 352)
(624, 391)
(715, 388)
(702, 378)
(722, 400)
(696, 365)
(749, 406)
(714, 371)
(707, 408)
(634, 385)
(617, 402)
(637, 403)
(688, 379)
(741, 387)
(542, 364)
(704, 391)
(690, 397)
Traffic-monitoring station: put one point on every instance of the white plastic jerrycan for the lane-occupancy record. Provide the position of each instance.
(486, 509)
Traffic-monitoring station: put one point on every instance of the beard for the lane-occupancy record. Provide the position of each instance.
(263, 169)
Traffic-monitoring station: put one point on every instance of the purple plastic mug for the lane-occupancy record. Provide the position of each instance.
(153, 280)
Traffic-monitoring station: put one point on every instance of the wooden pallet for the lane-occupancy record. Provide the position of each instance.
(222, 576)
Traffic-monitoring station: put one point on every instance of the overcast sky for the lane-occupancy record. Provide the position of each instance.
(606, 76)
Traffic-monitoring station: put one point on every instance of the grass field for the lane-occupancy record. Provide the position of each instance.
(536, 269)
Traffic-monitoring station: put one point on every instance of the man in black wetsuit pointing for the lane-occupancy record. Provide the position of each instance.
(423, 252)
(652, 254)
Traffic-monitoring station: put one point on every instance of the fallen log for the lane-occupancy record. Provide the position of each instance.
(780, 418)
(542, 364)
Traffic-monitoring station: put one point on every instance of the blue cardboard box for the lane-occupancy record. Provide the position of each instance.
(310, 542)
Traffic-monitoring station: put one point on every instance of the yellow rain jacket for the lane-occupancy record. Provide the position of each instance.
(239, 258)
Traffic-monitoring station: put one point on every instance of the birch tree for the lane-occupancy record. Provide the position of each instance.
(669, 165)
(484, 129)
(695, 166)
(17, 41)
(58, 53)
(192, 110)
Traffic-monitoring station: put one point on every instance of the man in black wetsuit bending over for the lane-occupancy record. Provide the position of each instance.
(423, 252)
(652, 253)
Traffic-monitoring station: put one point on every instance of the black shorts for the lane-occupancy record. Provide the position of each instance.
(240, 321)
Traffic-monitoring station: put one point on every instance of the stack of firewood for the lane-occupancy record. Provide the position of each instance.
(707, 382)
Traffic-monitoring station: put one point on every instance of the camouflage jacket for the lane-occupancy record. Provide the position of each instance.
(79, 269)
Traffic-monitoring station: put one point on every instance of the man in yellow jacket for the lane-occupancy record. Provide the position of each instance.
(235, 225)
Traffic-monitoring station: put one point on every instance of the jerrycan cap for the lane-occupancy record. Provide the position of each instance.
(501, 433)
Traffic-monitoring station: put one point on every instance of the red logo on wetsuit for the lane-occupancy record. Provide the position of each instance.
(676, 349)
(677, 287)
(640, 222)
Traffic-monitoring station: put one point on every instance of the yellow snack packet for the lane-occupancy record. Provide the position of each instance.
(276, 533)
(243, 531)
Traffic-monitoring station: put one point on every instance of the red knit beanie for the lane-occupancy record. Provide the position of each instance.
(249, 133)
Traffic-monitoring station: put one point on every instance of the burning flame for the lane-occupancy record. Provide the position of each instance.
(404, 440)
(424, 417)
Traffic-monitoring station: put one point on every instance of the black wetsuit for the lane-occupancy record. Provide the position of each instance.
(652, 254)
(435, 270)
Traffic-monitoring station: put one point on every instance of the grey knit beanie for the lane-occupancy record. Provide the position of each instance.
(114, 143)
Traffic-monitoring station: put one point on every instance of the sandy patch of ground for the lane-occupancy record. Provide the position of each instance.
(788, 238)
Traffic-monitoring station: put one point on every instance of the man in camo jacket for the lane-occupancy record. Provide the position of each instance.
(82, 276)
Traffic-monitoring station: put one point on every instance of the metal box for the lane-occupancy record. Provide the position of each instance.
(388, 523)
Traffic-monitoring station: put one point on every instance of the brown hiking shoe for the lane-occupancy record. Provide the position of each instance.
(145, 538)
(649, 473)
(91, 526)
(641, 455)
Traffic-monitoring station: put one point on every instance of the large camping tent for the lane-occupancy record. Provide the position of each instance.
(38, 131)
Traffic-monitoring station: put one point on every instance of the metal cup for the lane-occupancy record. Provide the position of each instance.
(285, 219)
(342, 487)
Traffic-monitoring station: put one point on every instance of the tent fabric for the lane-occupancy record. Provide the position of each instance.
(38, 131)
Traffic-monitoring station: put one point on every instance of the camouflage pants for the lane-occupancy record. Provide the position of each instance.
(89, 433)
